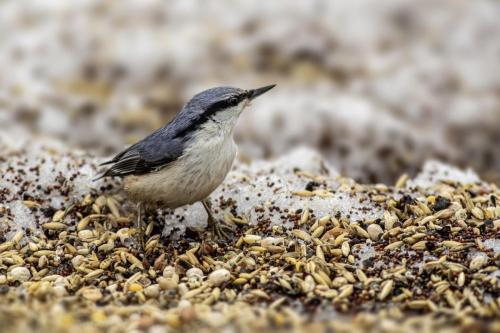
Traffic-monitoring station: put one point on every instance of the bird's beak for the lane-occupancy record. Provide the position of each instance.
(253, 93)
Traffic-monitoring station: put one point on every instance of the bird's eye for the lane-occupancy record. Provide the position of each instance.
(233, 101)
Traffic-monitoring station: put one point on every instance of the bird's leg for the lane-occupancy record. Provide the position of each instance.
(140, 225)
(221, 230)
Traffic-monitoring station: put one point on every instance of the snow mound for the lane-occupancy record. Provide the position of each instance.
(40, 178)
(434, 172)
(273, 191)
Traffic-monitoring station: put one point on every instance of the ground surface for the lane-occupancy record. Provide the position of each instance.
(311, 250)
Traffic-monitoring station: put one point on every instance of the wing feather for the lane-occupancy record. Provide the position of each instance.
(148, 155)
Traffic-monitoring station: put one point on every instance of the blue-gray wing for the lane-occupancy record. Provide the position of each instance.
(162, 147)
(151, 154)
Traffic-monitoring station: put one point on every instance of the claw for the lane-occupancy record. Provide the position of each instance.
(220, 229)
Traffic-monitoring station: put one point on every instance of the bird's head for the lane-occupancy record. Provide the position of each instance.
(222, 105)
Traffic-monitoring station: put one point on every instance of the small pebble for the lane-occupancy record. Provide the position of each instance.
(374, 231)
(21, 274)
(152, 291)
(194, 273)
(219, 276)
(167, 284)
(168, 271)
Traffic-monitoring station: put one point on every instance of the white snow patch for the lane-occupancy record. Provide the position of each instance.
(43, 171)
(363, 252)
(434, 172)
(22, 219)
(492, 244)
(476, 254)
(258, 189)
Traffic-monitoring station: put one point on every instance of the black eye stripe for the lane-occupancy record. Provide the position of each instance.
(219, 106)
(211, 111)
(225, 103)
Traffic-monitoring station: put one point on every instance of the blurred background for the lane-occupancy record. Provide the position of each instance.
(377, 86)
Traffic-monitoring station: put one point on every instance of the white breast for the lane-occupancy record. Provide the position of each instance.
(205, 163)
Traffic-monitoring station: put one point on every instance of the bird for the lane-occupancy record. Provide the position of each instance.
(184, 161)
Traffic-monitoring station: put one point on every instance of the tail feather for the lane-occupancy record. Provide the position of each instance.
(107, 173)
(98, 177)
(107, 162)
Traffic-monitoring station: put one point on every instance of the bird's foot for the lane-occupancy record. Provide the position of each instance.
(220, 229)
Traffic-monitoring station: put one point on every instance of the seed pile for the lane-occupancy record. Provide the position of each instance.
(430, 260)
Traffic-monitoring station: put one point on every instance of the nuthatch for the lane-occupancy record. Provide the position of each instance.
(184, 161)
